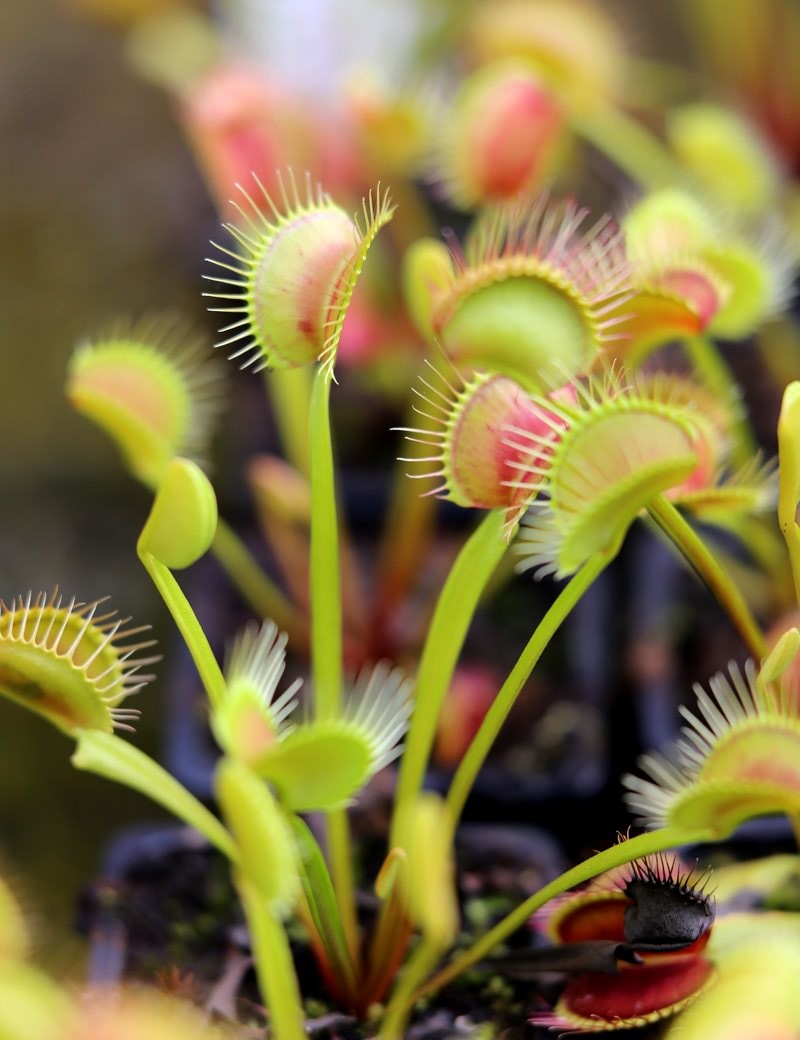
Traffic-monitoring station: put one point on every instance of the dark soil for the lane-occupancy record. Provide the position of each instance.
(164, 912)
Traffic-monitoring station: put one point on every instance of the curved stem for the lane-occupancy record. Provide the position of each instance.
(326, 632)
(789, 484)
(712, 574)
(628, 144)
(326, 599)
(275, 971)
(504, 701)
(266, 599)
(477, 560)
(617, 855)
(105, 754)
(421, 962)
(189, 627)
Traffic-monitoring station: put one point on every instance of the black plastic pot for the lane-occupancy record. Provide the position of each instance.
(163, 899)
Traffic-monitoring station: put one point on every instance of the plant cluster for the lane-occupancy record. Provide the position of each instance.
(538, 350)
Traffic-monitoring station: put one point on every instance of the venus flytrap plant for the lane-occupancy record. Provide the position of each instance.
(432, 905)
(526, 314)
(502, 136)
(482, 467)
(268, 882)
(598, 474)
(652, 404)
(292, 283)
(316, 764)
(735, 763)
(581, 56)
(309, 258)
(753, 992)
(564, 281)
(149, 386)
(71, 664)
(617, 495)
(293, 280)
(646, 844)
(727, 155)
(293, 275)
(251, 727)
(477, 561)
(152, 388)
(593, 501)
(249, 722)
(532, 305)
(639, 939)
(601, 481)
(644, 946)
(465, 427)
(346, 750)
(700, 271)
(577, 48)
(789, 490)
(593, 476)
(737, 759)
(658, 408)
(594, 457)
(735, 277)
(533, 295)
(178, 531)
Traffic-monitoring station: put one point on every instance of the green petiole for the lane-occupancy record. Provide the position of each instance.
(454, 611)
